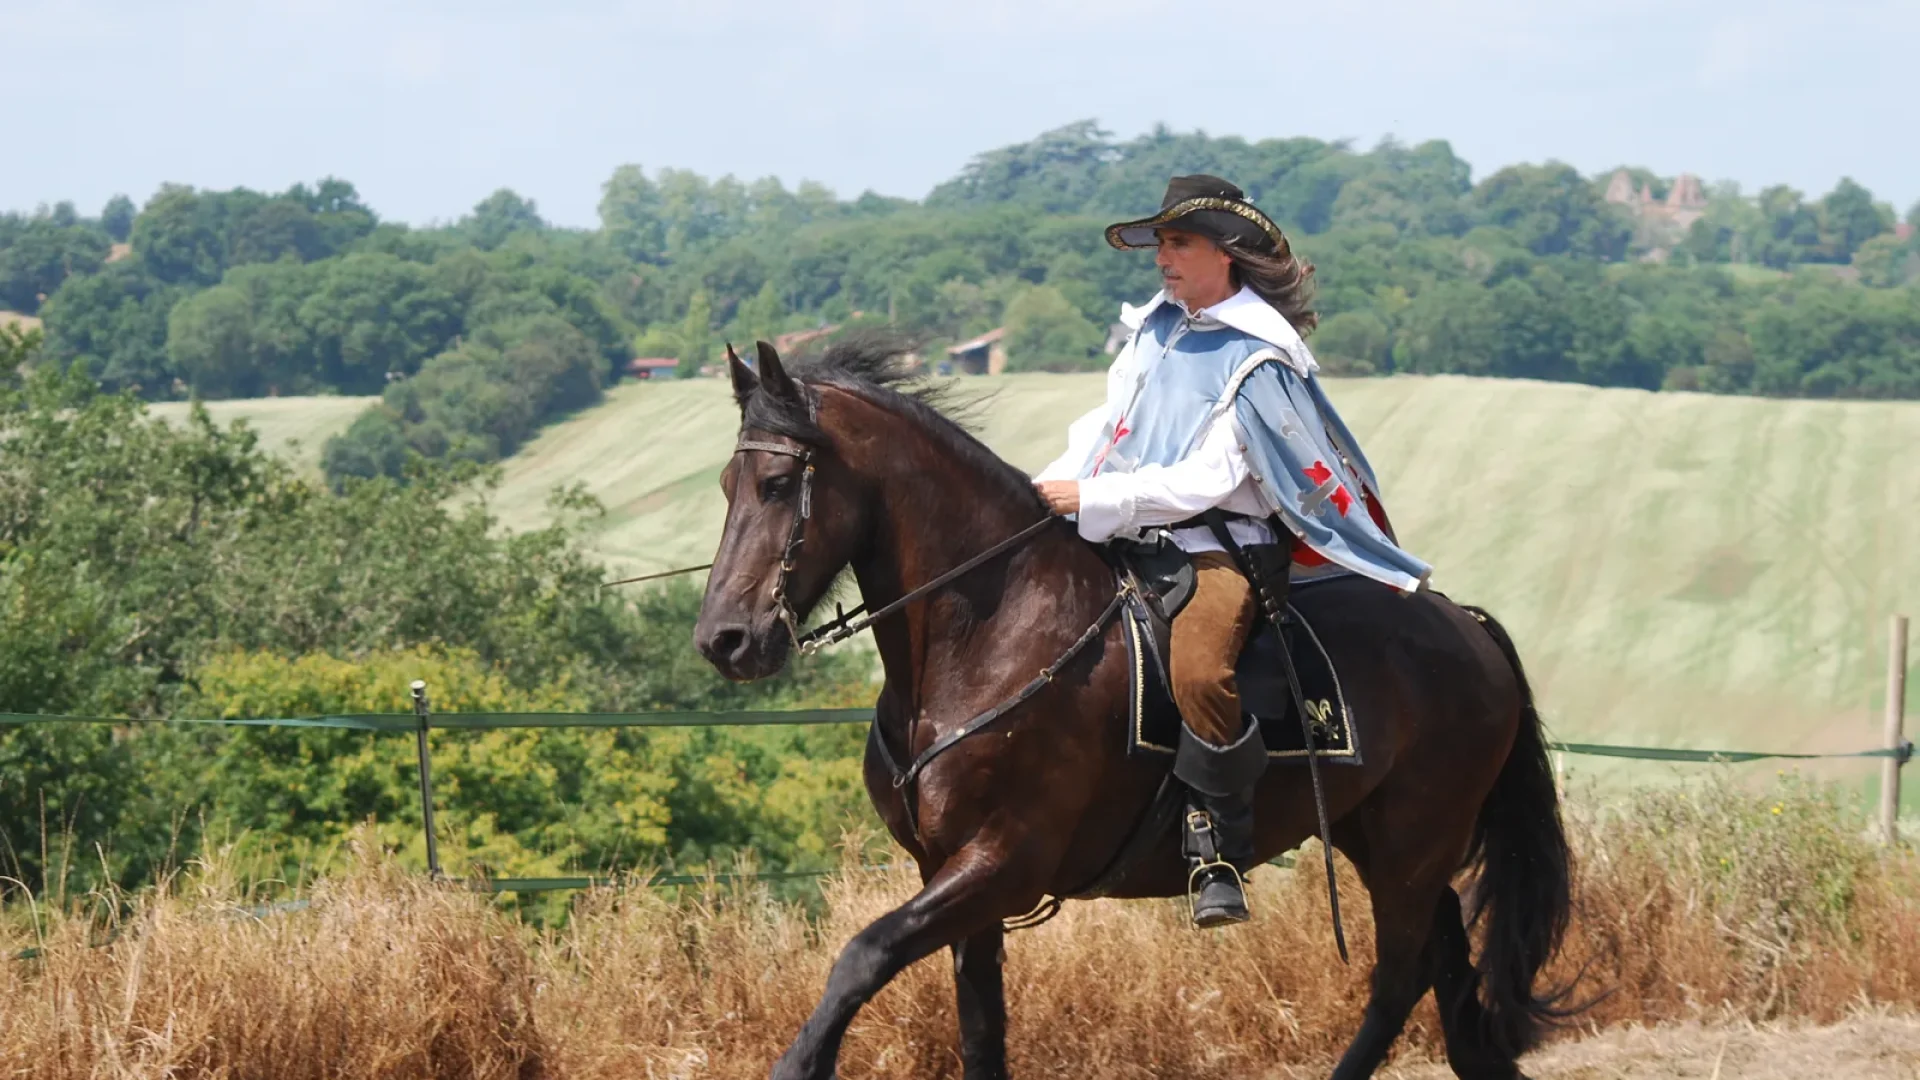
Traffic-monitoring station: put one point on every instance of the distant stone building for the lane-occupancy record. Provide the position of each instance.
(1686, 200)
(1659, 223)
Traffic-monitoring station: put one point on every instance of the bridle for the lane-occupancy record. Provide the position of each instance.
(846, 624)
(796, 535)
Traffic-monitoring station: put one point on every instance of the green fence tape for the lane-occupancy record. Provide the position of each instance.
(488, 721)
(550, 884)
(402, 722)
(1669, 753)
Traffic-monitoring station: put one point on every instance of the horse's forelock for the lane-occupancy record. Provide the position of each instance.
(762, 410)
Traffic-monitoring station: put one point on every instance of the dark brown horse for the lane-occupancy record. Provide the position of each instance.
(844, 463)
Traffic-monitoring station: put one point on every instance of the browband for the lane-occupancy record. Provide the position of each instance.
(800, 452)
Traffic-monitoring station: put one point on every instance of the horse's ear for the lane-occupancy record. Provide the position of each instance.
(774, 377)
(744, 380)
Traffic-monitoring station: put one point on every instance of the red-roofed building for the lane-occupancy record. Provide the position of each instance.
(652, 367)
(1903, 232)
(787, 343)
(984, 355)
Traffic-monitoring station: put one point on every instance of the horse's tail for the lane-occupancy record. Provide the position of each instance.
(1524, 891)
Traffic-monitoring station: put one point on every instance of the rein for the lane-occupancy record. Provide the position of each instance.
(849, 623)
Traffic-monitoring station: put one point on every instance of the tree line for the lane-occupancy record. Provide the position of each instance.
(154, 571)
(476, 332)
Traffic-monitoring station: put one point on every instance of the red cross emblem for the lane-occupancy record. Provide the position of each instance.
(1120, 431)
(1322, 477)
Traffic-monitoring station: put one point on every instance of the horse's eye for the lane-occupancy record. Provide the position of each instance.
(775, 487)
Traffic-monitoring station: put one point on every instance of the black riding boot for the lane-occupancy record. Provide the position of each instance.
(1218, 837)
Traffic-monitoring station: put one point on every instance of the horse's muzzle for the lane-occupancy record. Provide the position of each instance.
(736, 651)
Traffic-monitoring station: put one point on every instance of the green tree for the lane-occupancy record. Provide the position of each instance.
(210, 342)
(758, 319)
(1886, 262)
(153, 569)
(1045, 332)
(373, 314)
(263, 230)
(630, 214)
(43, 255)
(117, 218)
(1789, 231)
(374, 445)
(1453, 328)
(1553, 210)
(1354, 343)
(499, 216)
(696, 335)
(1849, 218)
(114, 326)
(178, 237)
(338, 214)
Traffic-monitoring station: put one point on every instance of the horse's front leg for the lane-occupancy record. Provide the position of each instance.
(967, 896)
(983, 1003)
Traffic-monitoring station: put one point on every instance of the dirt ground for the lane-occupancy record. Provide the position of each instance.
(1870, 1046)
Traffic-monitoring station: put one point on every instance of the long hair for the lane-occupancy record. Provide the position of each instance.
(1282, 279)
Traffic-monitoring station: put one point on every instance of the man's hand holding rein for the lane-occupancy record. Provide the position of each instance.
(1063, 496)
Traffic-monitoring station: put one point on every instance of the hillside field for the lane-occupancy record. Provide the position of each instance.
(1677, 568)
(295, 427)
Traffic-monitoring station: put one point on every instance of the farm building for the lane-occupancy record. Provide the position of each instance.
(984, 355)
(652, 367)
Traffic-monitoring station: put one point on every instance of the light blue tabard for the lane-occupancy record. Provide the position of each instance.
(1307, 466)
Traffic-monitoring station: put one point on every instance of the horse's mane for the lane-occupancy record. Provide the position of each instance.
(875, 366)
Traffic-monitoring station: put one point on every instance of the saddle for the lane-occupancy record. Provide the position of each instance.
(1163, 580)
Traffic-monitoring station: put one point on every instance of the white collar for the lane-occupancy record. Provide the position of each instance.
(1245, 312)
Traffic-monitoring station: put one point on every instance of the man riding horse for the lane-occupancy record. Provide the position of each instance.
(1213, 409)
(996, 756)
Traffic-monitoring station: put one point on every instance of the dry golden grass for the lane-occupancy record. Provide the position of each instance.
(1702, 906)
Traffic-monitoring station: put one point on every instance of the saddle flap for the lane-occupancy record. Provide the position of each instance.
(1265, 698)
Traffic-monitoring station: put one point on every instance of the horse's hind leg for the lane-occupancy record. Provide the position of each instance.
(1456, 989)
(956, 904)
(1404, 967)
(983, 1003)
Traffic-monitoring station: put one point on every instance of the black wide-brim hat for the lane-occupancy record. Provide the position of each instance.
(1206, 205)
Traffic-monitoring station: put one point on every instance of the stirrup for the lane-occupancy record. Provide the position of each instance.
(1206, 860)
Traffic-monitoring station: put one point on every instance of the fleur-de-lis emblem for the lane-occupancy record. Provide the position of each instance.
(1320, 718)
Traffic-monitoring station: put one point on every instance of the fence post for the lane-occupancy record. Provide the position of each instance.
(1896, 735)
(420, 712)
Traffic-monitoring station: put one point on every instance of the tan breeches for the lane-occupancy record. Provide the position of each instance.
(1207, 637)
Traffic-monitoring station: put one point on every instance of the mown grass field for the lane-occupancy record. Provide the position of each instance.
(296, 427)
(1677, 568)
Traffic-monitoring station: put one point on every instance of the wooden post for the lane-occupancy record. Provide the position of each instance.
(421, 712)
(1896, 734)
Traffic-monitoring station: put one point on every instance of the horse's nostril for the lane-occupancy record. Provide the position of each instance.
(728, 644)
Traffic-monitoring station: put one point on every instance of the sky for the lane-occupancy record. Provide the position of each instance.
(427, 106)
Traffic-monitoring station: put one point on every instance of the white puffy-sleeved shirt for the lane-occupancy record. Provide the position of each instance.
(1214, 474)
